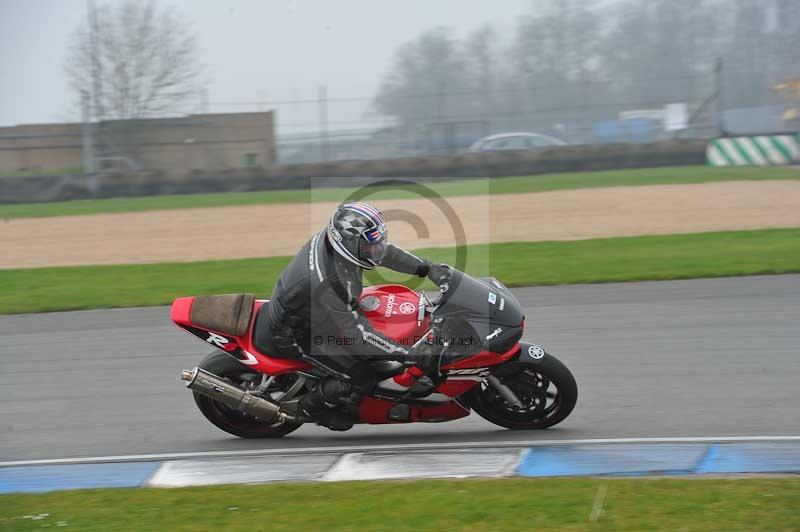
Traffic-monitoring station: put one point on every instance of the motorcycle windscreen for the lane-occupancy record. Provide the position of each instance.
(480, 314)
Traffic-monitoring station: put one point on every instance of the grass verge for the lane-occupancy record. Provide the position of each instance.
(497, 504)
(767, 251)
(502, 185)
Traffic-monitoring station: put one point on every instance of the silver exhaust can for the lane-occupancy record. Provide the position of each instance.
(201, 381)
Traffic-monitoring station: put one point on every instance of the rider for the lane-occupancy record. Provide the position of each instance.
(313, 309)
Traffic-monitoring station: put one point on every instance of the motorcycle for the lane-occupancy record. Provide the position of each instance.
(473, 326)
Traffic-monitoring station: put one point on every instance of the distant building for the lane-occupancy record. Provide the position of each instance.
(175, 146)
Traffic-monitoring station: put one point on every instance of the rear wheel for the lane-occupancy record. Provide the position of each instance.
(546, 393)
(234, 421)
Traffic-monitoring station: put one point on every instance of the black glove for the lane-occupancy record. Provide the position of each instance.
(439, 274)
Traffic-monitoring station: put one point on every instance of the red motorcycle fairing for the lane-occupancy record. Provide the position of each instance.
(376, 412)
(240, 347)
(393, 310)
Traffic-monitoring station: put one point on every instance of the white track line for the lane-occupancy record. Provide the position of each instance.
(392, 447)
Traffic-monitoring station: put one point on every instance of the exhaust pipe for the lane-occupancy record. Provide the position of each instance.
(209, 385)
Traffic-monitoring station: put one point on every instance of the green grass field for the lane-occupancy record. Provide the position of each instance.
(516, 264)
(504, 185)
(476, 505)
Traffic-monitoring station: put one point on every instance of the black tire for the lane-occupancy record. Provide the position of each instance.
(533, 383)
(224, 417)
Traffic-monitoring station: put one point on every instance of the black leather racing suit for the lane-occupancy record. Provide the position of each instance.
(313, 310)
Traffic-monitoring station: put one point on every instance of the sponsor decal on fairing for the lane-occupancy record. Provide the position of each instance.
(217, 340)
(495, 333)
(249, 358)
(469, 374)
(389, 306)
(370, 303)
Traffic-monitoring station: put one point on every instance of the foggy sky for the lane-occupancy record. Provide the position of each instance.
(253, 50)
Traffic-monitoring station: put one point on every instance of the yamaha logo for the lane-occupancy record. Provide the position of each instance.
(407, 308)
(536, 352)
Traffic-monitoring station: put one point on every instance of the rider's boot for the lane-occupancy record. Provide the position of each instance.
(337, 419)
(429, 364)
(325, 404)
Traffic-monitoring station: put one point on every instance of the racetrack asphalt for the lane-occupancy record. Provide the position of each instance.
(706, 357)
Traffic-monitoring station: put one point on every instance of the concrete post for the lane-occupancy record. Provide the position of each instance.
(87, 142)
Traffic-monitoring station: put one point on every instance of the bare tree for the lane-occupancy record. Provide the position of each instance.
(480, 58)
(572, 65)
(425, 70)
(136, 60)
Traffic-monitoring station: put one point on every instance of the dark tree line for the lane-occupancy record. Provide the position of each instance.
(574, 62)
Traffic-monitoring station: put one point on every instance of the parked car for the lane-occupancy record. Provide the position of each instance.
(515, 141)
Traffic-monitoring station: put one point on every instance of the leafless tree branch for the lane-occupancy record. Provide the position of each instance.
(137, 60)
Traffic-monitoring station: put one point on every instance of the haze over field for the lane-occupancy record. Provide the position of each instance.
(553, 66)
(274, 50)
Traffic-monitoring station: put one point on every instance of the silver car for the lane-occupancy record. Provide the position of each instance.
(515, 141)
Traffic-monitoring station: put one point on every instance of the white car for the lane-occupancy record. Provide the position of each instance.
(515, 141)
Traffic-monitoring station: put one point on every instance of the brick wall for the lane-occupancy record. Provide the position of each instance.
(174, 146)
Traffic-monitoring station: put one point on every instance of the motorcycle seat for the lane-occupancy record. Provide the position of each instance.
(227, 313)
(387, 368)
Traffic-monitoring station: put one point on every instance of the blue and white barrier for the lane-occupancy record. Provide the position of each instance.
(698, 456)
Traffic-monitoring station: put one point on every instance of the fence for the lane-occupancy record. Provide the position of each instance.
(446, 122)
(358, 173)
(443, 122)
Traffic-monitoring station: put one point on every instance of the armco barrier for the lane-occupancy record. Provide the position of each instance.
(29, 189)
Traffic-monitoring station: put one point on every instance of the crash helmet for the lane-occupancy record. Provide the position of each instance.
(357, 232)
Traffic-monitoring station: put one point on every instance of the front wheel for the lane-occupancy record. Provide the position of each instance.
(545, 394)
(234, 421)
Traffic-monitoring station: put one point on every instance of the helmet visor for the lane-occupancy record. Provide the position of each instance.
(372, 248)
